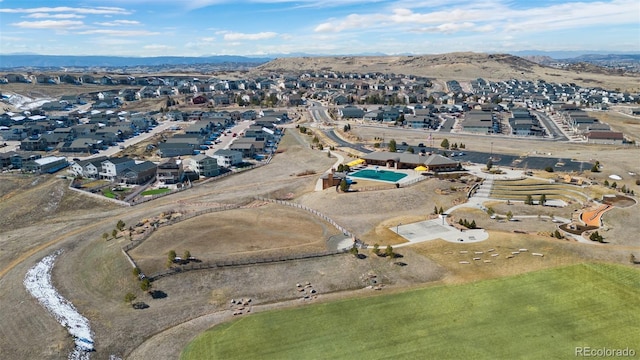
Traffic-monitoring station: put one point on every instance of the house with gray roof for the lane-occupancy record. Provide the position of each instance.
(112, 168)
(204, 165)
(351, 112)
(139, 173)
(393, 160)
(228, 158)
(173, 149)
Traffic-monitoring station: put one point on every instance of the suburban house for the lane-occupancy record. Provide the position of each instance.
(172, 149)
(139, 173)
(351, 112)
(170, 171)
(112, 168)
(478, 121)
(228, 158)
(34, 143)
(203, 165)
(15, 160)
(247, 149)
(88, 168)
(392, 160)
(49, 165)
(605, 137)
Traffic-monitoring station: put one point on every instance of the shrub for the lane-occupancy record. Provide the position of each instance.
(389, 252)
(548, 169)
(129, 297)
(353, 251)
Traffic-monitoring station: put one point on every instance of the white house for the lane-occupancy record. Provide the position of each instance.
(228, 158)
(112, 168)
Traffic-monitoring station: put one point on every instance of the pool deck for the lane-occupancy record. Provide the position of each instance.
(411, 175)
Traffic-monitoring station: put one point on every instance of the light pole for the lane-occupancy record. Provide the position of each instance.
(491, 156)
(398, 228)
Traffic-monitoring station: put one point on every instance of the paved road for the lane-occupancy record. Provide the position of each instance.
(447, 125)
(553, 128)
(356, 146)
(319, 115)
(227, 139)
(112, 150)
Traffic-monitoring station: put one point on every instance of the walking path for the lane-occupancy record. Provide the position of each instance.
(440, 229)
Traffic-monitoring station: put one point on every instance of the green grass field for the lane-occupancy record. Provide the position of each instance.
(540, 315)
(154, 192)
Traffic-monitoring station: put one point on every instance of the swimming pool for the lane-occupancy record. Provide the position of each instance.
(379, 175)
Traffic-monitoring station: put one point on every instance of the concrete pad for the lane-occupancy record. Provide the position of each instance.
(434, 229)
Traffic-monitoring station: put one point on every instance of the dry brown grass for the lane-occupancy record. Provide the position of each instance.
(266, 231)
(459, 66)
(556, 253)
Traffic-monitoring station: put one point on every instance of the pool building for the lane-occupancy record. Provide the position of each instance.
(393, 160)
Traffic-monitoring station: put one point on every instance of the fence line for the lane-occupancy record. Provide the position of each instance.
(414, 181)
(133, 263)
(313, 211)
(139, 189)
(133, 244)
(245, 262)
(100, 196)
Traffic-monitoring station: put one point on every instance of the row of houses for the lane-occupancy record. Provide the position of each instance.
(581, 123)
(32, 162)
(259, 138)
(130, 171)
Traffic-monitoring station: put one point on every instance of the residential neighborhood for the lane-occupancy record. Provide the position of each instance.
(214, 125)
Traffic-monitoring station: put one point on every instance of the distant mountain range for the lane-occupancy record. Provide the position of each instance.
(48, 61)
(9, 61)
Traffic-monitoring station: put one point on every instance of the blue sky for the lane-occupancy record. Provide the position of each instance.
(328, 27)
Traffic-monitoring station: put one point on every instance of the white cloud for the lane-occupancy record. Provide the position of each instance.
(118, 23)
(53, 16)
(157, 47)
(234, 36)
(112, 32)
(101, 10)
(488, 16)
(448, 28)
(50, 24)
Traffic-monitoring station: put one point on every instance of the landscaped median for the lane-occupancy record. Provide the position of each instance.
(544, 314)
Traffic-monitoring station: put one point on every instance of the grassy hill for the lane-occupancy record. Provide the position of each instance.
(462, 66)
(540, 315)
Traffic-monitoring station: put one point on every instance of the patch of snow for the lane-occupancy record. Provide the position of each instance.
(38, 284)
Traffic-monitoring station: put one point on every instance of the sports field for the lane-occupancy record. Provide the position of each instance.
(379, 175)
(540, 315)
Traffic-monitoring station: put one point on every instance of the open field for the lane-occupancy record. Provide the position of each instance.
(551, 311)
(242, 233)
